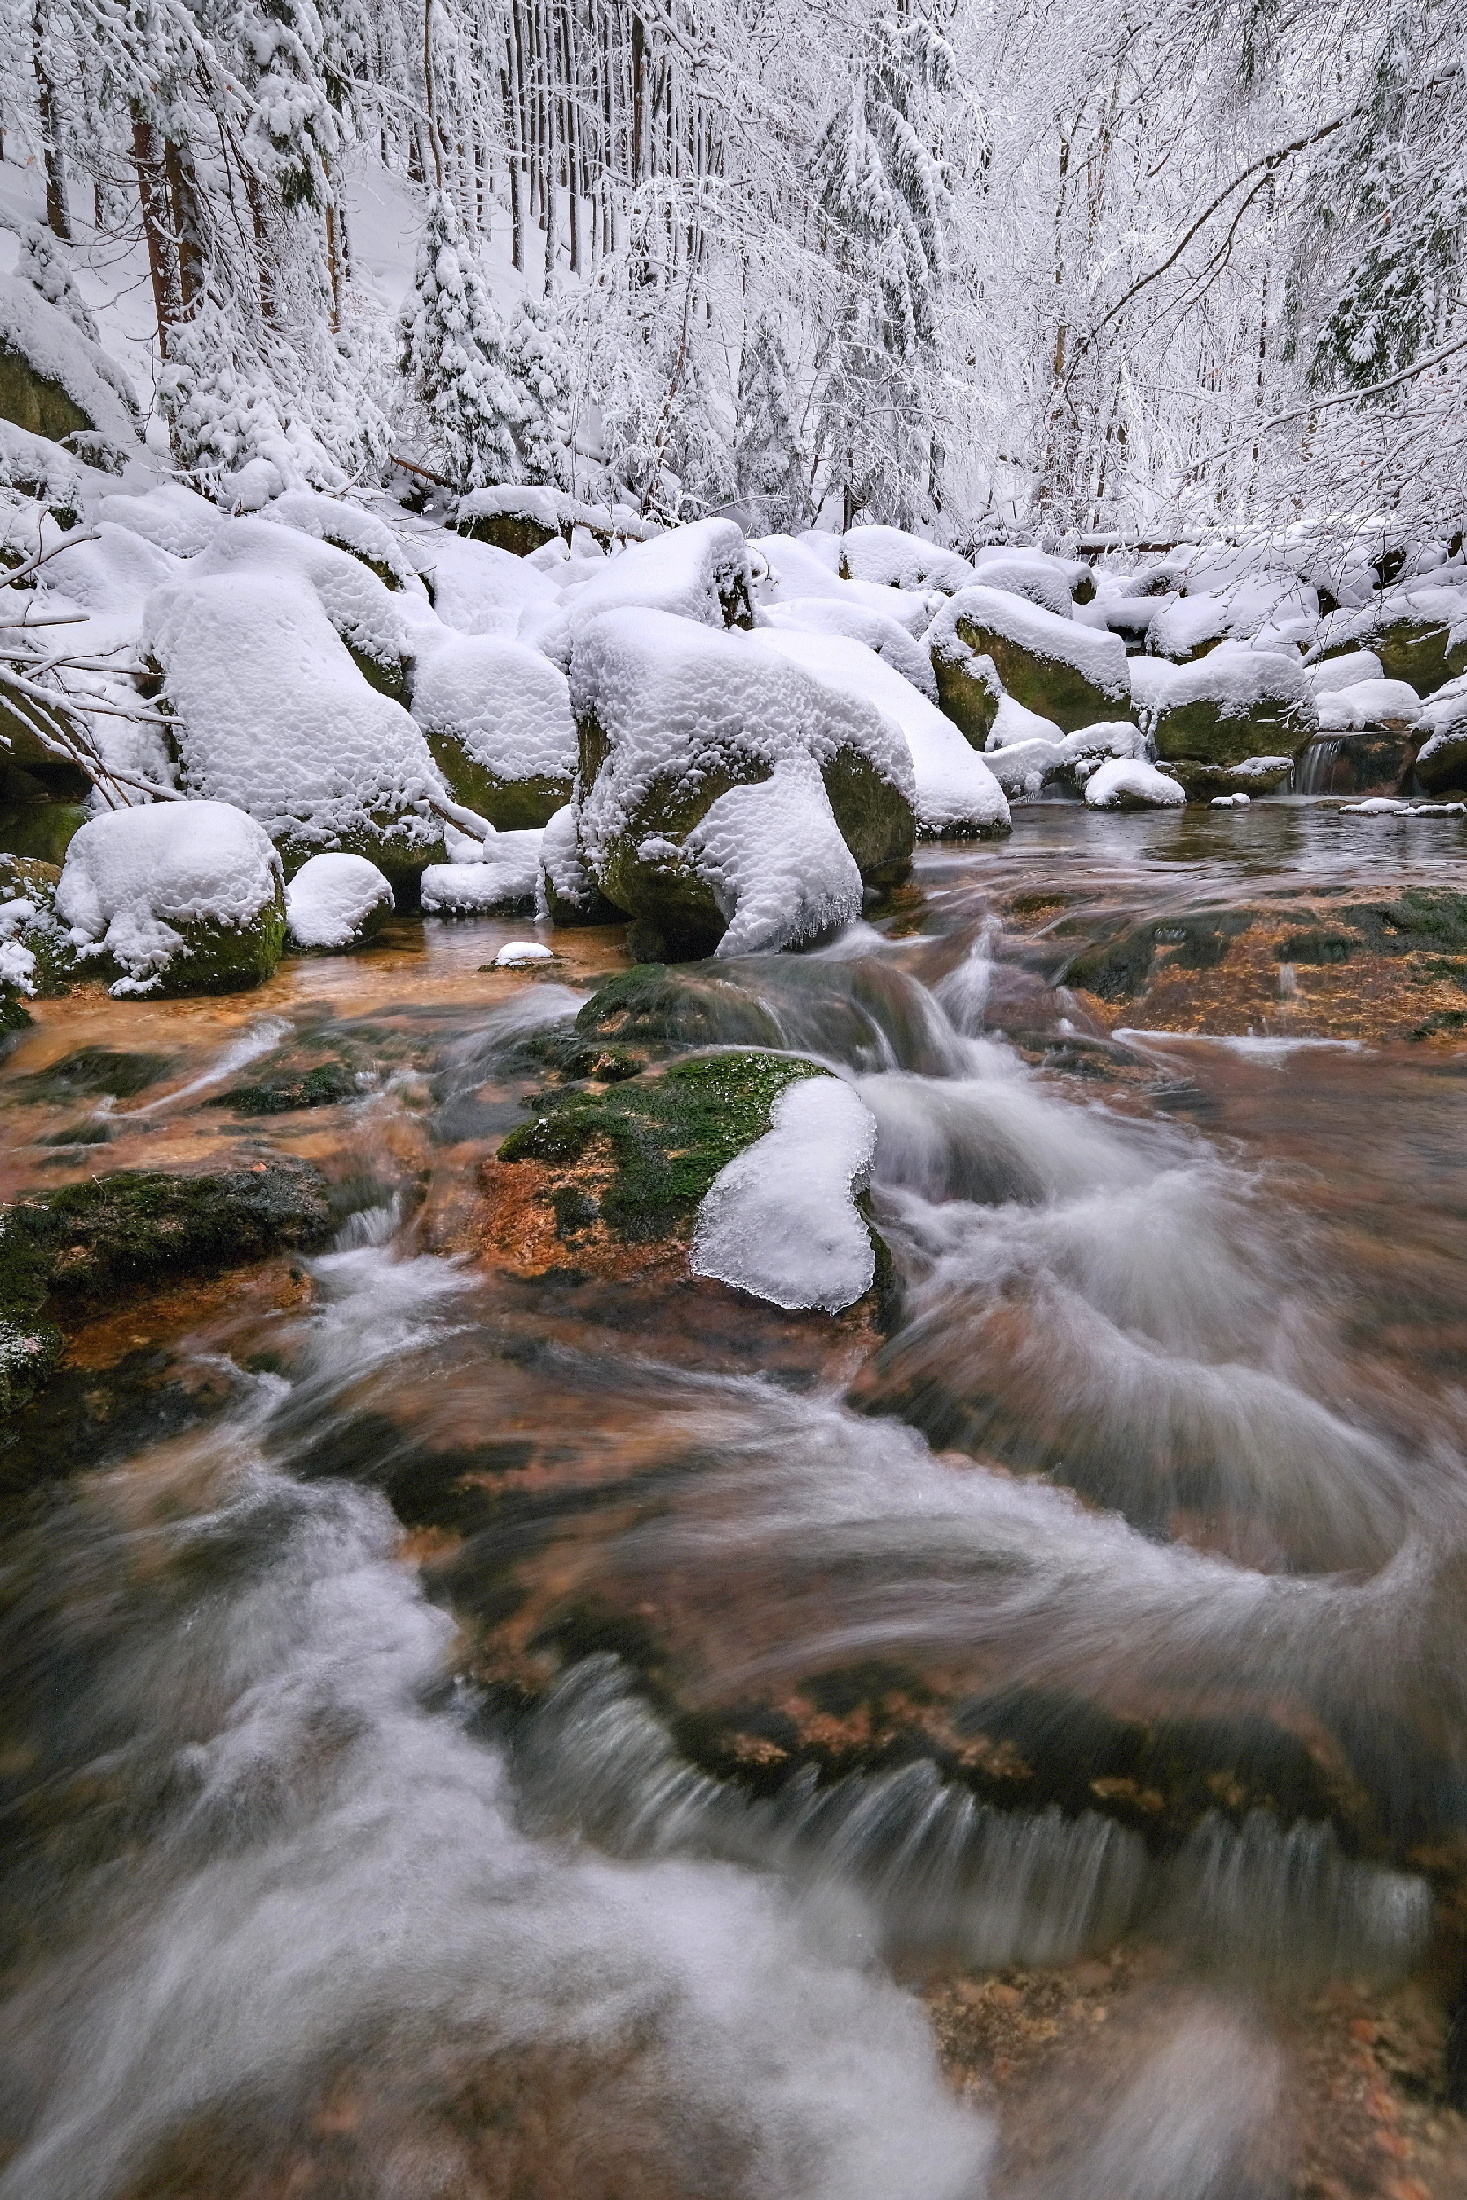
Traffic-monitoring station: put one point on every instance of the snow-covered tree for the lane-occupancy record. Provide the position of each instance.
(452, 357)
(771, 463)
(540, 365)
(43, 262)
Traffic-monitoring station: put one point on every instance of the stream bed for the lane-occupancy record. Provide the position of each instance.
(488, 1714)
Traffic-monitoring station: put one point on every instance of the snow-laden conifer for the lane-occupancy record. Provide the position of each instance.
(452, 358)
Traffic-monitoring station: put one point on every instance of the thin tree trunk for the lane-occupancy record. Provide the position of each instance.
(333, 265)
(58, 214)
(183, 193)
(147, 153)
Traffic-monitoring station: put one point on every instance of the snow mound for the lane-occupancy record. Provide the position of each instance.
(478, 589)
(1014, 722)
(552, 510)
(506, 881)
(700, 572)
(517, 953)
(136, 883)
(347, 527)
(1185, 624)
(894, 559)
(774, 858)
(1099, 656)
(56, 350)
(372, 619)
(1024, 768)
(780, 1220)
(1368, 703)
(1126, 783)
(797, 568)
(1233, 677)
(1109, 737)
(174, 518)
(34, 466)
(1230, 802)
(113, 576)
(1350, 670)
(953, 789)
(507, 706)
(838, 615)
(1030, 574)
(332, 899)
(274, 717)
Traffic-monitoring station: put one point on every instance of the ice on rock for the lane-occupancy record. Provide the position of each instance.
(1368, 703)
(335, 901)
(1127, 783)
(780, 1221)
(888, 638)
(273, 716)
(505, 882)
(894, 559)
(773, 855)
(170, 882)
(954, 790)
(497, 717)
(699, 572)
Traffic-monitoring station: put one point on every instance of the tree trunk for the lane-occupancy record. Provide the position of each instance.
(183, 192)
(147, 154)
(58, 215)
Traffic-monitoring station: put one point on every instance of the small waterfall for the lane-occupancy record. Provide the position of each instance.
(1314, 770)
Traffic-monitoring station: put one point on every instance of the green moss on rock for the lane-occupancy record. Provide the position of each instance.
(666, 1135)
(322, 1087)
(35, 402)
(90, 1070)
(511, 805)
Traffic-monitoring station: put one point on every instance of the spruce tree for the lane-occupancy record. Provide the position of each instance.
(452, 358)
(538, 360)
(771, 468)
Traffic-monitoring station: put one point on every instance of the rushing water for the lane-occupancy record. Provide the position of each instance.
(303, 1897)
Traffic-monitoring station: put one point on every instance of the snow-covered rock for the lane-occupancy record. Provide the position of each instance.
(780, 1220)
(497, 717)
(1049, 582)
(379, 625)
(1343, 672)
(480, 590)
(506, 883)
(699, 572)
(1232, 703)
(347, 527)
(1442, 759)
(335, 902)
(272, 715)
(986, 642)
(1419, 632)
(674, 717)
(176, 519)
(773, 858)
(838, 615)
(797, 568)
(1186, 626)
(1368, 703)
(1026, 766)
(53, 380)
(1127, 783)
(893, 559)
(955, 791)
(179, 897)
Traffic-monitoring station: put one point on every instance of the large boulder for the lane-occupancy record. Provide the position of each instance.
(1418, 632)
(382, 627)
(54, 381)
(699, 572)
(955, 791)
(894, 559)
(336, 902)
(175, 898)
(1441, 761)
(497, 719)
(272, 715)
(725, 795)
(987, 642)
(1234, 703)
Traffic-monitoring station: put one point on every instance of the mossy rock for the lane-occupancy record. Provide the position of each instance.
(387, 674)
(655, 1011)
(1201, 732)
(322, 1087)
(35, 402)
(1048, 685)
(516, 532)
(511, 805)
(874, 817)
(42, 831)
(1355, 763)
(386, 840)
(656, 1141)
(1419, 651)
(214, 957)
(1204, 781)
(90, 1071)
(969, 698)
(1444, 771)
(64, 1250)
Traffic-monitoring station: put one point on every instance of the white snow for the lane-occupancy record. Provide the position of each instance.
(1024, 768)
(780, 1220)
(114, 575)
(561, 866)
(1097, 654)
(954, 789)
(1184, 623)
(507, 879)
(478, 589)
(797, 568)
(894, 559)
(1109, 737)
(329, 900)
(1014, 722)
(369, 616)
(1230, 802)
(1368, 703)
(274, 716)
(1235, 677)
(132, 875)
(508, 705)
(693, 571)
(177, 519)
(1126, 782)
(361, 534)
(516, 953)
(836, 615)
(1047, 581)
(773, 855)
(59, 352)
(1343, 672)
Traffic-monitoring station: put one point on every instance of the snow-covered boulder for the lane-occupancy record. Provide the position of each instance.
(53, 380)
(172, 517)
(1026, 767)
(504, 883)
(1232, 703)
(335, 902)
(780, 1220)
(522, 520)
(1185, 627)
(1343, 672)
(1419, 633)
(796, 568)
(381, 627)
(480, 590)
(177, 897)
(497, 717)
(33, 466)
(272, 715)
(1387, 703)
(347, 527)
(986, 642)
(1441, 762)
(699, 572)
(1127, 783)
(838, 615)
(567, 893)
(955, 792)
(894, 559)
(1038, 578)
(681, 728)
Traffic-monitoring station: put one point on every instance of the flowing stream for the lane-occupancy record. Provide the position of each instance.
(454, 1763)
